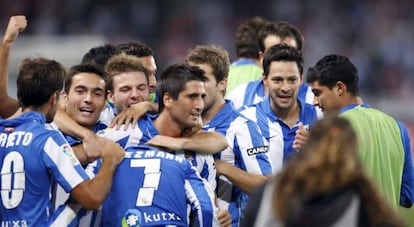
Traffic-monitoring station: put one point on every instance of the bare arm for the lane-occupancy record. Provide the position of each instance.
(91, 194)
(242, 179)
(90, 142)
(201, 142)
(80, 154)
(16, 25)
(205, 142)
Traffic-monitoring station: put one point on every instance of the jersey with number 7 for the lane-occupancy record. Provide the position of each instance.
(153, 187)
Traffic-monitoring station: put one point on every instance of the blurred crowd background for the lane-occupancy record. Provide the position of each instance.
(376, 34)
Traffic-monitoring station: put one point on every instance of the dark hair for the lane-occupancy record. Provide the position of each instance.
(37, 80)
(333, 68)
(81, 68)
(123, 63)
(100, 55)
(282, 52)
(173, 80)
(215, 56)
(246, 38)
(281, 29)
(137, 49)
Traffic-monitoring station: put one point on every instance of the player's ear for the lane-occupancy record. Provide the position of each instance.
(340, 88)
(167, 99)
(110, 96)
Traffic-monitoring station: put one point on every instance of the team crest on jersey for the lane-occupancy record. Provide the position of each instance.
(69, 152)
(257, 150)
(101, 132)
(132, 218)
(8, 129)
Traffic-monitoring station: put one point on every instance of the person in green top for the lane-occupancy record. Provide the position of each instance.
(247, 67)
(384, 144)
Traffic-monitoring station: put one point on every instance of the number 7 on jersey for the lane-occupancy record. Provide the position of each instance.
(151, 180)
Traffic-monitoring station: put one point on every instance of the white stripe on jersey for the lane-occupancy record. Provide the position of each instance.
(272, 132)
(64, 165)
(65, 217)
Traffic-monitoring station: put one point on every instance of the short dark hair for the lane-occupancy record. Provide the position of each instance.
(333, 68)
(282, 29)
(81, 68)
(174, 79)
(247, 45)
(137, 49)
(37, 80)
(100, 55)
(282, 52)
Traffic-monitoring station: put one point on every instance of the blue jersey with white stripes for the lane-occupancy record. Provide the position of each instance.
(63, 215)
(247, 94)
(144, 131)
(273, 127)
(248, 150)
(153, 188)
(107, 114)
(74, 141)
(32, 155)
(254, 92)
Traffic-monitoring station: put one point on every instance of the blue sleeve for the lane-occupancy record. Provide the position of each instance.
(407, 185)
(200, 197)
(72, 141)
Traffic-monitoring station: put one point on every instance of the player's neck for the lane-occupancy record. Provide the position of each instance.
(353, 100)
(290, 115)
(40, 109)
(166, 126)
(211, 112)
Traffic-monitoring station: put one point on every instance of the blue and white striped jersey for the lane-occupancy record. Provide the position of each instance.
(107, 114)
(247, 94)
(248, 150)
(274, 128)
(305, 93)
(253, 92)
(32, 155)
(63, 215)
(144, 131)
(153, 188)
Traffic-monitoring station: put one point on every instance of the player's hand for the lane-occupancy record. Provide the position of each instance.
(130, 115)
(92, 146)
(221, 166)
(302, 136)
(224, 218)
(191, 131)
(112, 151)
(16, 24)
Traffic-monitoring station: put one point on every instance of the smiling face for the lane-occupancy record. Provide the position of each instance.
(283, 81)
(128, 88)
(86, 98)
(186, 110)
